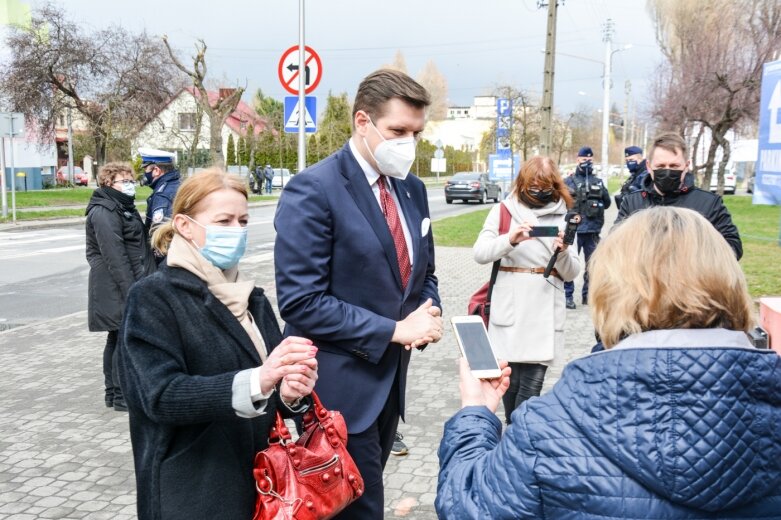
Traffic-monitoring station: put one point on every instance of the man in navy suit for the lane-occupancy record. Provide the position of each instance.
(354, 263)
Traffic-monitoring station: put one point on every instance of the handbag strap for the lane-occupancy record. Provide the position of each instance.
(280, 433)
(504, 228)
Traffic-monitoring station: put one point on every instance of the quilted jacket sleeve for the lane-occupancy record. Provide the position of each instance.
(483, 475)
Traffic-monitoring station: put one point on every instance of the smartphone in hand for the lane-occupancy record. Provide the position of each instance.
(475, 346)
(544, 231)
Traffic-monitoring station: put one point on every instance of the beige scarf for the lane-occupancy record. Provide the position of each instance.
(227, 286)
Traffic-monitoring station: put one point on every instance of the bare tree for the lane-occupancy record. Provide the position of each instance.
(710, 82)
(216, 111)
(399, 63)
(436, 84)
(115, 79)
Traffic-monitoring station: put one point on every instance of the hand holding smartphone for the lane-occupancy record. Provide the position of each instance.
(475, 346)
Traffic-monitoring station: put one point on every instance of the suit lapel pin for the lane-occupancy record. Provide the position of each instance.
(408, 195)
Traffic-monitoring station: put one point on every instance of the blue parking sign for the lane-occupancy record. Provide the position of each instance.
(767, 185)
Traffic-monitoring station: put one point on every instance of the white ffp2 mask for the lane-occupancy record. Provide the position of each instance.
(394, 157)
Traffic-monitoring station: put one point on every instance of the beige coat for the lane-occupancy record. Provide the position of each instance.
(527, 312)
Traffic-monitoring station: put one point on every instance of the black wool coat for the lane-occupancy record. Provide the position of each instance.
(118, 253)
(180, 349)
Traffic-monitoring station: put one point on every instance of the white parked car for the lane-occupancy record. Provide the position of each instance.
(729, 182)
(281, 177)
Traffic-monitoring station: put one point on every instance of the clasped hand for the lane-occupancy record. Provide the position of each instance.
(293, 362)
(422, 326)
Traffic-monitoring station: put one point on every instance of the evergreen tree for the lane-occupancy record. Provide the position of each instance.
(241, 152)
(231, 156)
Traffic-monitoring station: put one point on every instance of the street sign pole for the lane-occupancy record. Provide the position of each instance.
(2, 177)
(301, 89)
(13, 172)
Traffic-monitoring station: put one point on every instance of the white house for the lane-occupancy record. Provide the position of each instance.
(173, 127)
(465, 127)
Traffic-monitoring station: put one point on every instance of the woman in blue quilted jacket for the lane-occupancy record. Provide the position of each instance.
(680, 417)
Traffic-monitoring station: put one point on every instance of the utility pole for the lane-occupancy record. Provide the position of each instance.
(70, 147)
(625, 123)
(546, 136)
(301, 90)
(607, 37)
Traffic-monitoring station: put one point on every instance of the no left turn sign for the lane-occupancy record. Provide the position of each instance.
(288, 72)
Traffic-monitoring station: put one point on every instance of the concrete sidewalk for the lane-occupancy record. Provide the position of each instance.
(64, 455)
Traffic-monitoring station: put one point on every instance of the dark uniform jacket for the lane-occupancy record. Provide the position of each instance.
(591, 209)
(160, 203)
(118, 253)
(633, 183)
(180, 348)
(703, 202)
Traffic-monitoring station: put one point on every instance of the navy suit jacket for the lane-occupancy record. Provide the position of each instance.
(338, 281)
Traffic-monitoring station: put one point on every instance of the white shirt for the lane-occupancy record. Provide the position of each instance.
(372, 177)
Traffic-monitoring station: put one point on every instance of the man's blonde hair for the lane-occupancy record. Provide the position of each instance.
(666, 268)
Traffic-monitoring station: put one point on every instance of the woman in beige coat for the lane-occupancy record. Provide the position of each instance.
(527, 311)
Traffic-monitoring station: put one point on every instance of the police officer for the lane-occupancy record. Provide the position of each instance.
(161, 174)
(591, 201)
(636, 164)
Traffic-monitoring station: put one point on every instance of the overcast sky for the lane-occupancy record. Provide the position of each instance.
(477, 45)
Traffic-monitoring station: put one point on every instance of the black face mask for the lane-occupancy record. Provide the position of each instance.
(632, 166)
(544, 196)
(668, 181)
(586, 167)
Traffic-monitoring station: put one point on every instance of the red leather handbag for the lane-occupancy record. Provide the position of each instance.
(480, 301)
(312, 478)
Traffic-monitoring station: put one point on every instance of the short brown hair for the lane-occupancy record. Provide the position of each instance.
(666, 268)
(542, 172)
(669, 141)
(381, 86)
(188, 199)
(108, 172)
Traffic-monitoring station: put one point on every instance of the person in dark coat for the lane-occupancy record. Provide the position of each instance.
(636, 164)
(268, 173)
(677, 419)
(591, 201)
(203, 362)
(669, 183)
(118, 254)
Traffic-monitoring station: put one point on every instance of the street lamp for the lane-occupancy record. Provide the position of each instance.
(606, 100)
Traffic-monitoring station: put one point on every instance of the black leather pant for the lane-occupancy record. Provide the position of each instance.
(525, 382)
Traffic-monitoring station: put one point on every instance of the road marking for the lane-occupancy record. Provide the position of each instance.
(10, 241)
(42, 252)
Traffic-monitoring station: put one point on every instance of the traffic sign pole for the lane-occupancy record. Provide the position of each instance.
(301, 89)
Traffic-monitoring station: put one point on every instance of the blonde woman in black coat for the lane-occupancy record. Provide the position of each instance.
(203, 362)
(119, 254)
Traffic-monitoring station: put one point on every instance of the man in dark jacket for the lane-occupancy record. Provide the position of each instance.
(591, 201)
(118, 253)
(669, 183)
(636, 164)
(163, 177)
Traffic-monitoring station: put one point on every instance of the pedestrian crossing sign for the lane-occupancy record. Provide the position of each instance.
(292, 114)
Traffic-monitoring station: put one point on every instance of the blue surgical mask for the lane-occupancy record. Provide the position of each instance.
(224, 246)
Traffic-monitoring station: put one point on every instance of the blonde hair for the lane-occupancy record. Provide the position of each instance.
(543, 172)
(189, 197)
(666, 268)
(108, 172)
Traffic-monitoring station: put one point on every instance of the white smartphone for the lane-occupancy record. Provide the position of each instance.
(476, 347)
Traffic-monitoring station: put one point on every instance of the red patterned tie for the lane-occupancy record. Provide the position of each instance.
(392, 216)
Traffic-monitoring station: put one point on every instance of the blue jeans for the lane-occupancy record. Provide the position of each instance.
(587, 242)
(268, 186)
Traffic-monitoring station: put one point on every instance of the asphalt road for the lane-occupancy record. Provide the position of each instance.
(43, 272)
